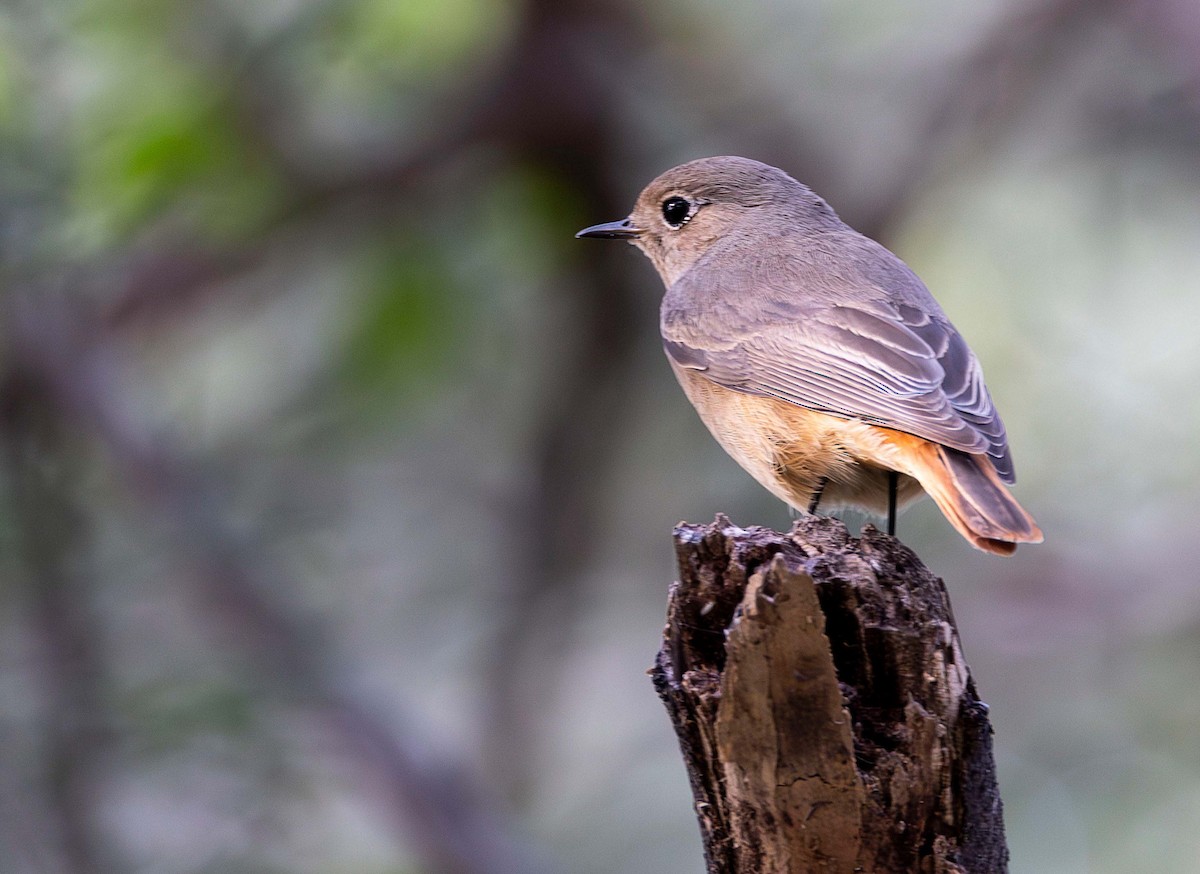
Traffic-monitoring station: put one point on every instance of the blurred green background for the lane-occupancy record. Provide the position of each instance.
(339, 478)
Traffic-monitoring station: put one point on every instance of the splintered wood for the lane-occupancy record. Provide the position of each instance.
(826, 716)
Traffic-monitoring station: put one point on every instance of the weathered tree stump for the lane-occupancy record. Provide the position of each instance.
(827, 718)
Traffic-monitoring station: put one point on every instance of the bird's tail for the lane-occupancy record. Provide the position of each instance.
(971, 496)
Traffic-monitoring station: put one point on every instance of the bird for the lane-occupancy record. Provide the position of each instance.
(816, 357)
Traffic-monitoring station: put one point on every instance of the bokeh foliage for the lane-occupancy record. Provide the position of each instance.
(311, 403)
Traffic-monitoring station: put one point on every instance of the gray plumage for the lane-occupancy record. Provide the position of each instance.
(837, 323)
(816, 358)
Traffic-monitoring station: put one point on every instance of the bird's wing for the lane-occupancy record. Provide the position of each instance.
(892, 364)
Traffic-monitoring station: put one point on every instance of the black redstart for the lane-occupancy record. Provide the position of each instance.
(816, 357)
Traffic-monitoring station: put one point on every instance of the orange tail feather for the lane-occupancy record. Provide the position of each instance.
(969, 493)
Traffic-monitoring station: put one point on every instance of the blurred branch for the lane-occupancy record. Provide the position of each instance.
(175, 275)
(441, 813)
(976, 100)
(43, 475)
(553, 108)
(542, 103)
(547, 104)
(1172, 117)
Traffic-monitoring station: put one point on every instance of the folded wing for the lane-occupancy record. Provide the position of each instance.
(892, 364)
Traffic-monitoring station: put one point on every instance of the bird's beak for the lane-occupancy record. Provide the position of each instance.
(622, 230)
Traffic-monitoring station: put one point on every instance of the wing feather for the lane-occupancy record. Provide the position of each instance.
(896, 365)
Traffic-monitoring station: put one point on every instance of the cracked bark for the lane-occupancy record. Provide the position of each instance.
(827, 719)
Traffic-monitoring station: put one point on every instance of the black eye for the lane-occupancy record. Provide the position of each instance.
(676, 211)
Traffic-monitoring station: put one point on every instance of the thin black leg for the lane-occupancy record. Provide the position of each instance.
(816, 495)
(893, 483)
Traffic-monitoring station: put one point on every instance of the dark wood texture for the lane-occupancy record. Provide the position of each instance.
(826, 716)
